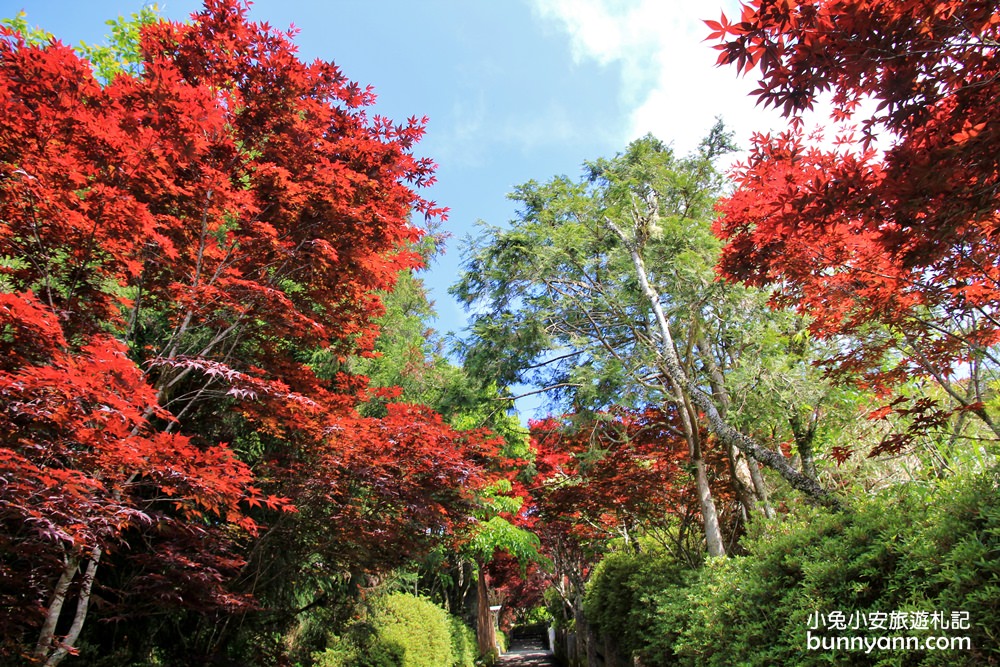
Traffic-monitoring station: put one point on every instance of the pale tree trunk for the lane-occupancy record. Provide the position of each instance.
(710, 517)
(722, 429)
(760, 486)
(47, 634)
(750, 494)
(746, 493)
(713, 532)
(50, 650)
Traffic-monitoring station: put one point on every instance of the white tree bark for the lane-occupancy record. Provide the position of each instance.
(722, 429)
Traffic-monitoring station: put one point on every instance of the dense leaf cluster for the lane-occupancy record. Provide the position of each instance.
(197, 233)
(909, 549)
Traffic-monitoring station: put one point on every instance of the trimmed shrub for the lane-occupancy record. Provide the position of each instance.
(418, 626)
(624, 599)
(402, 631)
(356, 651)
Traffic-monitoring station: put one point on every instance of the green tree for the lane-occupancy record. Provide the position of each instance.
(602, 291)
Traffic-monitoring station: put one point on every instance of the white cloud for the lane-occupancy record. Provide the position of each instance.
(670, 84)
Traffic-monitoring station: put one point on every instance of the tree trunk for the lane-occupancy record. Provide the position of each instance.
(743, 484)
(713, 532)
(722, 429)
(760, 488)
(710, 517)
(804, 435)
(49, 651)
(47, 634)
(485, 636)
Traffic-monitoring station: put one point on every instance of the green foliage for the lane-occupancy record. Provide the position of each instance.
(912, 549)
(121, 53)
(420, 627)
(359, 651)
(402, 631)
(499, 534)
(409, 360)
(34, 36)
(463, 644)
(555, 608)
(554, 295)
(629, 598)
(405, 354)
(497, 499)
(10, 263)
(557, 305)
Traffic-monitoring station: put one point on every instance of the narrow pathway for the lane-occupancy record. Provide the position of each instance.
(528, 648)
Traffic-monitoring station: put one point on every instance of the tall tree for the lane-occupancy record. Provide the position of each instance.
(178, 238)
(84, 470)
(601, 290)
(891, 244)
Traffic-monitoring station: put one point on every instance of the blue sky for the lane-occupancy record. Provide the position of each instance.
(514, 89)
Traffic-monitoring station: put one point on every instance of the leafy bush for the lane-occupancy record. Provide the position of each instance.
(356, 651)
(623, 597)
(463, 644)
(417, 625)
(911, 549)
(360, 646)
(403, 631)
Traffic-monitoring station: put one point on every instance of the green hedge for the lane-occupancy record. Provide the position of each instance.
(909, 549)
(463, 644)
(627, 598)
(403, 631)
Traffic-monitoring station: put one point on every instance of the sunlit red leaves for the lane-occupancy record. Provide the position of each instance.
(225, 213)
(241, 194)
(209, 182)
(719, 28)
(887, 46)
(75, 423)
(82, 465)
(904, 239)
(832, 267)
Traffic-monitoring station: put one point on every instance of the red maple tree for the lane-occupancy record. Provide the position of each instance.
(894, 247)
(190, 252)
(620, 473)
(619, 476)
(385, 490)
(83, 467)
